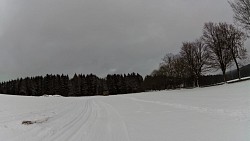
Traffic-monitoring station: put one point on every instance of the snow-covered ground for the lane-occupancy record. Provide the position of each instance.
(219, 113)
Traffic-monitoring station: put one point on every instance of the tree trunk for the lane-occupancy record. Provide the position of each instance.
(197, 81)
(224, 75)
(238, 69)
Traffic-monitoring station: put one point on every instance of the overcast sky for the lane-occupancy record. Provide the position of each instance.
(98, 36)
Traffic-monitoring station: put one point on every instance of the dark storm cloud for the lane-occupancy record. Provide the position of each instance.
(93, 36)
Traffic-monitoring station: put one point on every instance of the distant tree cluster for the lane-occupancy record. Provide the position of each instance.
(123, 84)
(220, 46)
(79, 85)
(162, 82)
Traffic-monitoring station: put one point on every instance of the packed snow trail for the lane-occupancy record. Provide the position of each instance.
(72, 120)
(220, 113)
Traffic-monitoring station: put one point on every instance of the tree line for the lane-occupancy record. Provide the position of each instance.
(79, 85)
(91, 85)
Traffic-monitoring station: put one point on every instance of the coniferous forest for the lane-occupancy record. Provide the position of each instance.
(91, 85)
(79, 85)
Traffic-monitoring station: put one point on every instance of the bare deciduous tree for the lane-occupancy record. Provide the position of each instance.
(179, 68)
(214, 38)
(196, 57)
(172, 66)
(241, 10)
(235, 39)
(167, 66)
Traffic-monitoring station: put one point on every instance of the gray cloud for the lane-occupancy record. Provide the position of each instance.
(92, 36)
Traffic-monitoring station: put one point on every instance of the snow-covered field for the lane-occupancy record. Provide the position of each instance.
(220, 113)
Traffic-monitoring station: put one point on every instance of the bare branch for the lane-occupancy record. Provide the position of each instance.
(241, 10)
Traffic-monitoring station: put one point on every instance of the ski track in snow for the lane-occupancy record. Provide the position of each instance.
(241, 115)
(85, 119)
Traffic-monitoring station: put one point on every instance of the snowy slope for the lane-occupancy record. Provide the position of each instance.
(219, 113)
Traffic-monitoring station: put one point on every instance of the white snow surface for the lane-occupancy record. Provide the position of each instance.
(219, 113)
